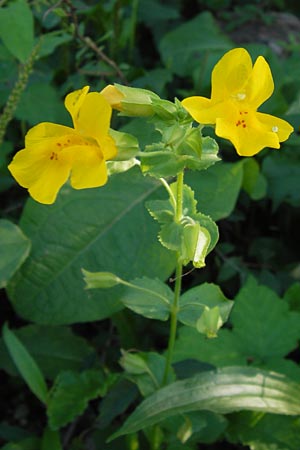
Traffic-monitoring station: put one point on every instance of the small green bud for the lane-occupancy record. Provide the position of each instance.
(100, 280)
(133, 363)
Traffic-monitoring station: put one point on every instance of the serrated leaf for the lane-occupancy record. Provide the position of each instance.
(15, 248)
(170, 236)
(223, 391)
(26, 365)
(17, 28)
(161, 210)
(71, 393)
(193, 302)
(105, 229)
(148, 297)
(53, 348)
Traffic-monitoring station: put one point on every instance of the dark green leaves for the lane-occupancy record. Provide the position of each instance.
(15, 247)
(26, 365)
(96, 229)
(70, 395)
(223, 391)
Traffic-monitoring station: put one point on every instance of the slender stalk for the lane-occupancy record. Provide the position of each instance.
(177, 288)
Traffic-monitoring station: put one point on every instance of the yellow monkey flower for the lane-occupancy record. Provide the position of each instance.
(238, 89)
(53, 152)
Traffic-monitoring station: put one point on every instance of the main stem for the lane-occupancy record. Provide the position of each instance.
(177, 288)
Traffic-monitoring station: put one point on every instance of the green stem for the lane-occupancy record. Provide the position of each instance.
(177, 288)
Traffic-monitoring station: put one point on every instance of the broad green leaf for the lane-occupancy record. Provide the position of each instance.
(217, 188)
(193, 302)
(15, 247)
(223, 351)
(222, 391)
(181, 49)
(16, 28)
(26, 365)
(149, 298)
(51, 440)
(53, 348)
(71, 393)
(262, 323)
(106, 229)
(282, 173)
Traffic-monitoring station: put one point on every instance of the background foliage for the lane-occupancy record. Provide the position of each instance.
(48, 48)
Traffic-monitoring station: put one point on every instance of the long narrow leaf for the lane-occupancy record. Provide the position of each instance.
(25, 364)
(223, 391)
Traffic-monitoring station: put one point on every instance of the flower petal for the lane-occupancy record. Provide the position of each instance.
(203, 110)
(247, 140)
(279, 126)
(46, 130)
(230, 74)
(260, 85)
(94, 116)
(88, 168)
(43, 176)
(74, 101)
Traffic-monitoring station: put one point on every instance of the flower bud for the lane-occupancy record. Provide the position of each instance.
(130, 101)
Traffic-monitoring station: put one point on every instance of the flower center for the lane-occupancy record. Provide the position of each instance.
(242, 121)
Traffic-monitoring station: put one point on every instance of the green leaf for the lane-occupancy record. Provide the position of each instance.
(41, 101)
(51, 440)
(71, 393)
(262, 323)
(265, 431)
(217, 188)
(51, 41)
(254, 182)
(30, 443)
(282, 173)
(193, 302)
(181, 49)
(53, 348)
(17, 29)
(15, 247)
(149, 376)
(148, 297)
(26, 365)
(223, 391)
(106, 229)
(223, 351)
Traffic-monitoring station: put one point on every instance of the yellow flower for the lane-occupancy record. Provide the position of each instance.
(238, 89)
(53, 153)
